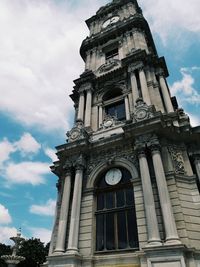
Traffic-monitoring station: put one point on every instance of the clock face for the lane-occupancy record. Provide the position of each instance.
(74, 134)
(113, 176)
(110, 21)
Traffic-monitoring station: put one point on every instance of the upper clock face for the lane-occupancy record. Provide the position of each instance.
(113, 176)
(110, 21)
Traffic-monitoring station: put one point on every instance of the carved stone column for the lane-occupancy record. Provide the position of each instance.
(81, 107)
(165, 202)
(134, 86)
(76, 205)
(144, 87)
(150, 210)
(128, 117)
(87, 62)
(100, 116)
(88, 110)
(63, 219)
(165, 93)
(197, 166)
(58, 203)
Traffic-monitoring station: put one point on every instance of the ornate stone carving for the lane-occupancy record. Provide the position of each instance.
(77, 133)
(134, 66)
(142, 111)
(110, 121)
(109, 65)
(85, 87)
(80, 163)
(108, 156)
(177, 158)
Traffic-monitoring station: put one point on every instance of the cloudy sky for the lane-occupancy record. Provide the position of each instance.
(39, 59)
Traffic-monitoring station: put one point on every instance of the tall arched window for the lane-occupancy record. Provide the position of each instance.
(116, 226)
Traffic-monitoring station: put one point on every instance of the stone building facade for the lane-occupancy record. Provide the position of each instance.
(128, 187)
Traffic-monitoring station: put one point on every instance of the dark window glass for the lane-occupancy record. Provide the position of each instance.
(100, 232)
(110, 236)
(100, 202)
(117, 110)
(132, 229)
(110, 200)
(120, 198)
(113, 54)
(122, 230)
(129, 196)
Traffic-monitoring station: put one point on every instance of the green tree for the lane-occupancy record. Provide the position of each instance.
(34, 251)
(4, 250)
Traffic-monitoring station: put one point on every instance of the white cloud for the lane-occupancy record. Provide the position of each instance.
(27, 144)
(184, 88)
(5, 217)
(6, 148)
(42, 233)
(172, 18)
(51, 154)
(6, 233)
(39, 59)
(26, 173)
(47, 209)
(194, 120)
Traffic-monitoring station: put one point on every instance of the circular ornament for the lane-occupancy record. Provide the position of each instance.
(110, 21)
(74, 134)
(108, 123)
(113, 176)
(141, 114)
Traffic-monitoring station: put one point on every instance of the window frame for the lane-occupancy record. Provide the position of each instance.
(115, 210)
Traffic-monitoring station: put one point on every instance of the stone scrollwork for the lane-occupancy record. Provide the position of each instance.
(78, 132)
(142, 111)
(110, 121)
(109, 65)
(177, 158)
(80, 162)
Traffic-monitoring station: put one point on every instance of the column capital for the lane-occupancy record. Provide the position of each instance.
(85, 87)
(135, 66)
(80, 163)
(67, 167)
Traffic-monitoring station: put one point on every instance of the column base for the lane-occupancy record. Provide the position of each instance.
(156, 243)
(72, 251)
(58, 252)
(172, 241)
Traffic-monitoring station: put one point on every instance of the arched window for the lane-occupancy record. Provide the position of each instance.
(114, 104)
(116, 226)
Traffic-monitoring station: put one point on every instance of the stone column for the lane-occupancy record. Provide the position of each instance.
(100, 116)
(128, 38)
(144, 87)
(81, 107)
(53, 237)
(62, 225)
(150, 210)
(127, 108)
(165, 202)
(197, 166)
(121, 54)
(134, 86)
(75, 211)
(87, 62)
(165, 93)
(88, 109)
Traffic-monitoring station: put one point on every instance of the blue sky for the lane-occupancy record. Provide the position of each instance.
(39, 59)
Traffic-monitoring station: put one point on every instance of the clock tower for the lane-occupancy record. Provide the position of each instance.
(129, 172)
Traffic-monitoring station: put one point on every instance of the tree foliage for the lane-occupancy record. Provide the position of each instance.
(34, 251)
(4, 250)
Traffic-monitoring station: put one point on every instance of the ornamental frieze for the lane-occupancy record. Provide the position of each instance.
(177, 158)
